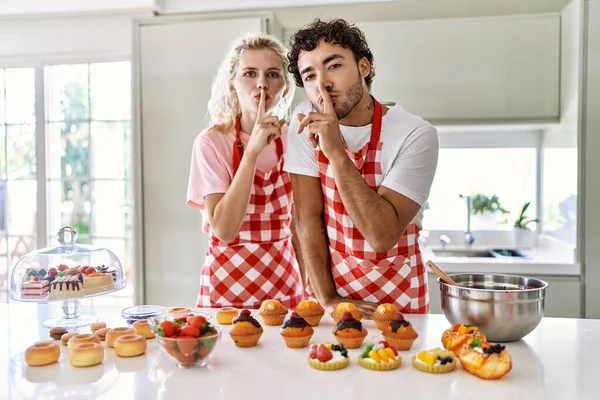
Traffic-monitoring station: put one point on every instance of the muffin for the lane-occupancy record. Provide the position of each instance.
(400, 333)
(296, 332)
(380, 357)
(384, 314)
(455, 338)
(436, 361)
(350, 332)
(311, 311)
(341, 308)
(246, 330)
(226, 315)
(328, 357)
(272, 312)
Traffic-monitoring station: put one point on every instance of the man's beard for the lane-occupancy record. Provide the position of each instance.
(353, 96)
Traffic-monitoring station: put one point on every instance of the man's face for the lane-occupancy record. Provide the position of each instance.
(336, 68)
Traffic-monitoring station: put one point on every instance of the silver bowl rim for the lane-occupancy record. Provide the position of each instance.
(544, 283)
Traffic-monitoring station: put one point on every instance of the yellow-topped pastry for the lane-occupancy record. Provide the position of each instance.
(380, 356)
(384, 314)
(435, 361)
(272, 312)
(341, 308)
(311, 311)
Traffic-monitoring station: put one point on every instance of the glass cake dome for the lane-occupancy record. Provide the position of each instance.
(66, 273)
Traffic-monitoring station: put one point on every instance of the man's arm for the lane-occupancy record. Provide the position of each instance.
(297, 248)
(308, 216)
(381, 217)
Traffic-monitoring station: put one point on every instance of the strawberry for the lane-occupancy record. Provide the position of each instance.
(313, 351)
(62, 267)
(186, 359)
(399, 317)
(169, 328)
(202, 352)
(189, 330)
(323, 353)
(295, 315)
(197, 320)
(384, 343)
(394, 350)
(347, 316)
(52, 271)
(187, 344)
(245, 313)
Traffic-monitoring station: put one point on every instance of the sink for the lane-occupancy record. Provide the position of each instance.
(464, 253)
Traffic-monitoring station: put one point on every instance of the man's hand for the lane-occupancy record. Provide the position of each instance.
(365, 307)
(324, 128)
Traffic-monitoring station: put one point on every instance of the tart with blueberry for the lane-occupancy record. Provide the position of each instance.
(485, 360)
(379, 357)
(328, 357)
(436, 361)
(459, 335)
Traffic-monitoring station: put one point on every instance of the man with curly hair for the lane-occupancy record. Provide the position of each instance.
(360, 174)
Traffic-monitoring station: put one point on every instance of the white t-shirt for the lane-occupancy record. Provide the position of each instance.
(409, 151)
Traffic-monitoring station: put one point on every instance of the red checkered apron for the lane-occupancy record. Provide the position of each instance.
(397, 276)
(260, 263)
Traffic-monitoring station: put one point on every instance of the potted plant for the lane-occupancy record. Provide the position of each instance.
(487, 211)
(524, 236)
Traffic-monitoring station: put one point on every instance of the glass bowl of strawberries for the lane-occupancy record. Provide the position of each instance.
(189, 339)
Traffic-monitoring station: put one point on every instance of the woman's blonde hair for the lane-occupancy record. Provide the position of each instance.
(223, 106)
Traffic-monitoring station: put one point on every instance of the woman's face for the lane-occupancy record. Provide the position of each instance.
(259, 70)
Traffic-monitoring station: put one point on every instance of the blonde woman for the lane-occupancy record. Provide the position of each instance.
(237, 181)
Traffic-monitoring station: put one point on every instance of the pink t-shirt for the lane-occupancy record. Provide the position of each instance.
(211, 169)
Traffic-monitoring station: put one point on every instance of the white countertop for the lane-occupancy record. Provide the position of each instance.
(559, 360)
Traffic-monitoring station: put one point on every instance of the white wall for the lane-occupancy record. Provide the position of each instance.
(45, 7)
(25, 40)
(590, 218)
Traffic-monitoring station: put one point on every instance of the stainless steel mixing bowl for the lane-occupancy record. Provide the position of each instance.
(504, 307)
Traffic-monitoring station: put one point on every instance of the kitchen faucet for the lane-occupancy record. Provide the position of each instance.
(469, 239)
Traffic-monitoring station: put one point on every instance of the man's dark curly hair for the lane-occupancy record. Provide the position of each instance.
(336, 31)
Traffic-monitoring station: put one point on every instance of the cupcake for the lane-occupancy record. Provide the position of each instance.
(272, 312)
(311, 311)
(400, 333)
(296, 332)
(379, 357)
(341, 308)
(459, 335)
(350, 332)
(384, 314)
(436, 361)
(328, 357)
(246, 330)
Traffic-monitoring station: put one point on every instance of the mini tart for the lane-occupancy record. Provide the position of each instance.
(341, 308)
(400, 333)
(296, 332)
(225, 315)
(246, 330)
(272, 312)
(335, 356)
(436, 361)
(379, 357)
(384, 314)
(350, 332)
(459, 335)
(311, 311)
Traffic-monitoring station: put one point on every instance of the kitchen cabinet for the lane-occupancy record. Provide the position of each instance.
(175, 60)
(473, 69)
(563, 296)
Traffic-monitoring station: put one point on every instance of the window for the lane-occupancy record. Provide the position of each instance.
(18, 185)
(491, 163)
(86, 166)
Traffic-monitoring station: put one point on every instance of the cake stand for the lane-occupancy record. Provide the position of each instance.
(66, 274)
